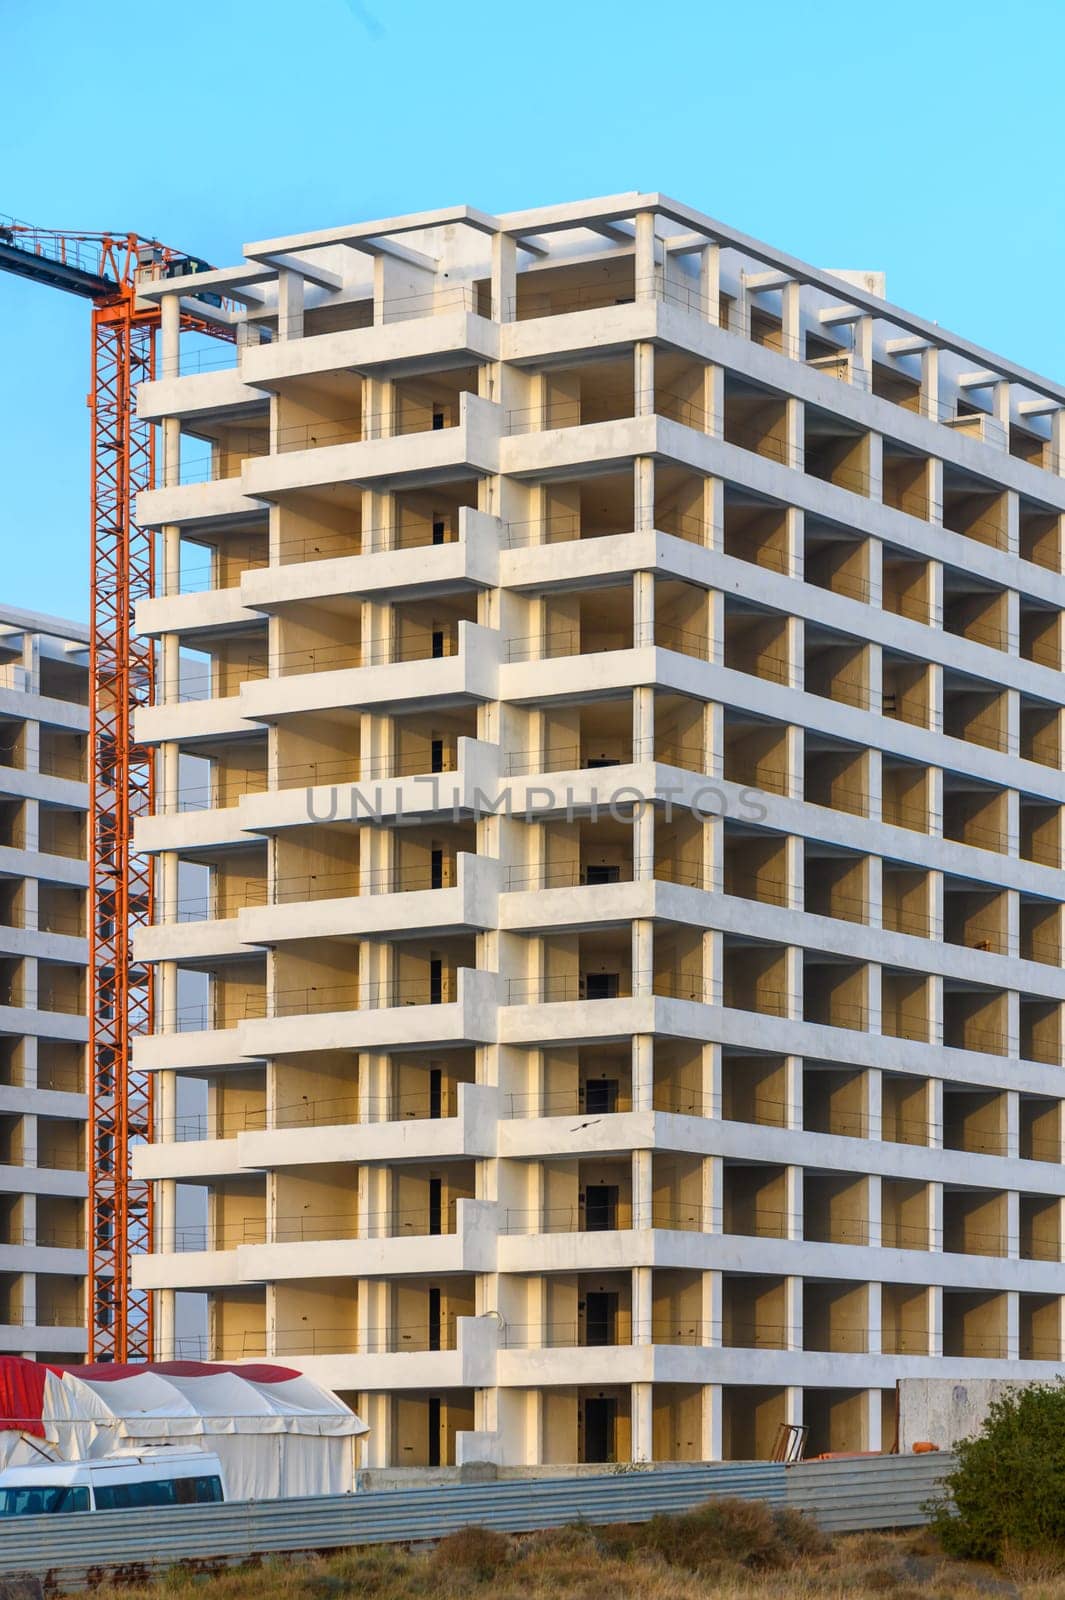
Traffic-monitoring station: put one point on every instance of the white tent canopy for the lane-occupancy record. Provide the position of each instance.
(276, 1435)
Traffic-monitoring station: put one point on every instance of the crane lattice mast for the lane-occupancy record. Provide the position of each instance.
(105, 268)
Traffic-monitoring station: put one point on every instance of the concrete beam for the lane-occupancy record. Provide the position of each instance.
(354, 234)
(308, 270)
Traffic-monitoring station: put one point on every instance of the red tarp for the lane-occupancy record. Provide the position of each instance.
(22, 1382)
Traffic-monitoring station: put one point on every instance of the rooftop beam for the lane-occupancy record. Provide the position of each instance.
(399, 252)
(356, 232)
(978, 380)
(763, 282)
(234, 283)
(306, 269)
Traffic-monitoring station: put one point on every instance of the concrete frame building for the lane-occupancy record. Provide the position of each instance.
(44, 875)
(611, 719)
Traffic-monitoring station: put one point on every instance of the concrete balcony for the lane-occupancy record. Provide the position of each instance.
(469, 449)
(321, 792)
(525, 1018)
(471, 1133)
(191, 722)
(542, 557)
(200, 827)
(441, 326)
(43, 1258)
(470, 1365)
(311, 909)
(66, 1182)
(187, 1160)
(188, 1269)
(190, 1048)
(471, 1247)
(470, 561)
(16, 863)
(390, 1025)
(43, 1340)
(195, 612)
(560, 672)
(195, 393)
(425, 681)
(217, 501)
(29, 1019)
(201, 940)
(600, 445)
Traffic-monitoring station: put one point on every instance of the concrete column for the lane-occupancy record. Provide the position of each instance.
(1013, 1124)
(643, 379)
(930, 381)
(643, 723)
(793, 1314)
(874, 1008)
(874, 1206)
(642, 1305)
(644, 494)
(873, 1421)
(934, 1113)
(711, 1449)
(796, 430)
(935, 1218)
(289, 305)
(642, 956)
(874, 1318)
(1013, 522)
(793, 1190)
(862, 355)
(792, 1004)
(504, 278)
(643, 607)
(646, 272)
(795, 536)
(1013, 1224)
(170, 330)
(795, 636)
(710, 1317)
(165, 1323)
(714, 401)
(1013, 1325)
(791, 319)
(642, 1189)
(642, 1422)
(874, 1103)
(793, 1093)
(714, 513)
(935, 1319)
(710, 282)
(711, 1080)
(643, 1071)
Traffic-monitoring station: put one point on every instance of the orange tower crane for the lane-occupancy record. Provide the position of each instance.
(105, 269)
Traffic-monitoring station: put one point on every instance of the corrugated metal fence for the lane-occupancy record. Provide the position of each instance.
(69, 1552)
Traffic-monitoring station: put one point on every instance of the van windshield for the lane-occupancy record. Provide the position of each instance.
(42, 1501)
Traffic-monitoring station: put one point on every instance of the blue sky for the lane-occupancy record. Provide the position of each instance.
(919, 138)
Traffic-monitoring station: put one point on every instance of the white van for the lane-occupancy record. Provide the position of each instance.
(128, 1480)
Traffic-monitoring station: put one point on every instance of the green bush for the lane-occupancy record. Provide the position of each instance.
(1007, 1491)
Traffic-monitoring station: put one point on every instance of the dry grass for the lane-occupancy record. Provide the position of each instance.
(731, 1550)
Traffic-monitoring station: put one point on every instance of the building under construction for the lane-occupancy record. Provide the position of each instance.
(607, 836)
(44, 794)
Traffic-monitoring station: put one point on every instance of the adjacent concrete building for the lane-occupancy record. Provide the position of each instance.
(44, 721)
(610, 773)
